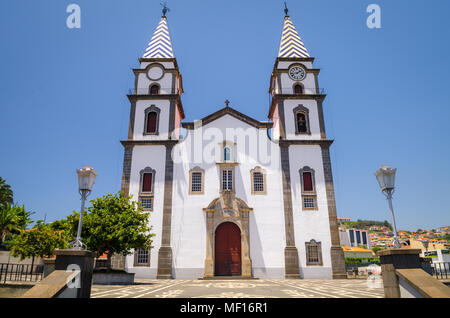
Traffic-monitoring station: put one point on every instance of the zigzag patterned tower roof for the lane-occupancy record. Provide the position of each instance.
(291, 45)
(160, 45)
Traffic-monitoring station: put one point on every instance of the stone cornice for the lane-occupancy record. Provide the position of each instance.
(152, 60)
(167, 142)
(290, 142)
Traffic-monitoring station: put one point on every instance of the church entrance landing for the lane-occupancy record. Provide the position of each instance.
(228, 250)
(227, 239)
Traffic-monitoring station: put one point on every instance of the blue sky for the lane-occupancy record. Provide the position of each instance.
(63, 91)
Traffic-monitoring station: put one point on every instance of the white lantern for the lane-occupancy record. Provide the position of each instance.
(86, 178)
(386, 178)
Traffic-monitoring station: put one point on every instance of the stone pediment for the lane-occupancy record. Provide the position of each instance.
(228, 111)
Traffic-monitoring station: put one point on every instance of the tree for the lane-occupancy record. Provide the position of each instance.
(13, 218)
(375, 249)
(41, 241)
(6, 194)
(114, 224)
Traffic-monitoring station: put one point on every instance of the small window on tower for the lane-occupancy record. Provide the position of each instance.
(301, 123)
(151, 122)
(307, 181)
(154, 89)
(301, 117)
(298, 89)
(308, 187)
(147, 182)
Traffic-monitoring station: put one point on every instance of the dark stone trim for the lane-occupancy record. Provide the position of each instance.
(132, 120)
(316, 80)
(337, 254)
(126, 143)
(291, 59)
(165, 251)
(292, 268)
(228, 111)
(323, 134)
(171, 118)
(321, 142)
(304, 96)
(170, 59)
(282, 119)
(126, 174)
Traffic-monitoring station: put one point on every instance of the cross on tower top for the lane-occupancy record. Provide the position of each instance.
(286, 10)
(165, 9)
(227, 102)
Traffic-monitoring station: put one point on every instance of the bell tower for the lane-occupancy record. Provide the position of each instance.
(298, 125)
(156, 108)
(296, 105)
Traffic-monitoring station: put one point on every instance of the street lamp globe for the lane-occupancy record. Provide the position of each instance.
(386, 178)
(86, 178)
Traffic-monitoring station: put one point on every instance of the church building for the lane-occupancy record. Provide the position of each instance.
(230, 195)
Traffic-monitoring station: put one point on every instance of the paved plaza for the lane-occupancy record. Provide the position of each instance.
(256, 288)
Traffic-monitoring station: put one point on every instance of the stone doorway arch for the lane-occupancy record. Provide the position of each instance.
(227, 209)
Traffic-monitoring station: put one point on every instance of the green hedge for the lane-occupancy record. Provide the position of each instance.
(361, 260)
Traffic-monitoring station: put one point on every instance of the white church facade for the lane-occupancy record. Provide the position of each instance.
(234, 196)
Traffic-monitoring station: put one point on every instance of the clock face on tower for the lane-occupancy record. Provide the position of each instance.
(297, 73)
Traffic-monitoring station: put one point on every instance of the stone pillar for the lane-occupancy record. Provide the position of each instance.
(84, 260)
(336, 252)
(291, 261)
(392, 259)
(209, 261)
(49, 266)
(165, 251)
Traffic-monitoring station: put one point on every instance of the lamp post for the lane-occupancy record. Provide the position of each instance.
(86, 179)
(386, 178)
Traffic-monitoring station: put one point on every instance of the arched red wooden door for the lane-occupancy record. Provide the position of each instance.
(228, 250)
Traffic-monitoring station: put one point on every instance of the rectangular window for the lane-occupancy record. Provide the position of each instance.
(352, 236)
(313, 254)
(309, 202)
(142, 257)
(258, 182)
(147, 182)
(147, 203)
(307, 181)
(358, 237)
(196, 185)
(364, 238)
(227, 179)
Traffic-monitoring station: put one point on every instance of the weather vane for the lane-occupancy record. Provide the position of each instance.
(165, 9)
(286, 10)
